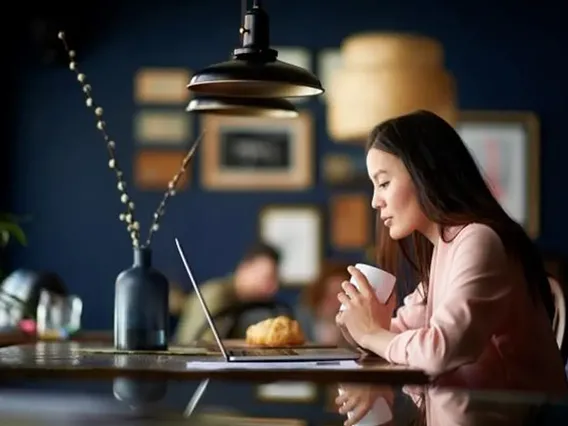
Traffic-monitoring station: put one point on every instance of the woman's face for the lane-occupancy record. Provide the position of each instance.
(394, 195)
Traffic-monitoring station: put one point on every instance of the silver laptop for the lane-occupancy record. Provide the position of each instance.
(265, 354)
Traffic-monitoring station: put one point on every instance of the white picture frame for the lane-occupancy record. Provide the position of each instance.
(298, 56)
(297, 232)
(506, 147)
(328, 61)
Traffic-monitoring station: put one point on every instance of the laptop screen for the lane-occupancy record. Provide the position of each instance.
(202, 301)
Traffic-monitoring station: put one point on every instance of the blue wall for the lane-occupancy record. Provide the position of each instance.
(502, 57)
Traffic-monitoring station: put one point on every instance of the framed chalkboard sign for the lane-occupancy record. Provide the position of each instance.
(252, 154)
(259, 150)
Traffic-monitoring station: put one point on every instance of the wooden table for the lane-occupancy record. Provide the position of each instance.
(18, 337)
(71, 360)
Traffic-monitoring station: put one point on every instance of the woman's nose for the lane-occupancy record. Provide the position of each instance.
(377, 202)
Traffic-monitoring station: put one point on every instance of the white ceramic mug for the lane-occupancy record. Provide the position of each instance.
(381, 281)
(379, 413)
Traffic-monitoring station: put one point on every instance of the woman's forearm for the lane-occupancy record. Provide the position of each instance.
(378, 341)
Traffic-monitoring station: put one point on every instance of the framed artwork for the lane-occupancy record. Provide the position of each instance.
(253, 154)
(291, 392)
(298, 56)
(345, 170)
(297, 232)
(162, 86)
(153, 169)
(163, 128)
(350, 217)
(506, 146)
(328, 60)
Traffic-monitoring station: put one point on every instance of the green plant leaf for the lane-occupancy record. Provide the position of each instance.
(8, 230)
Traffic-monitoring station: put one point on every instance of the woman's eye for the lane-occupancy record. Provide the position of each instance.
(383, 185)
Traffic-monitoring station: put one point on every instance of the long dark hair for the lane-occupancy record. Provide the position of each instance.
(452, 192)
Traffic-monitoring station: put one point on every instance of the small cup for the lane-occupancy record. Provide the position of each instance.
(381, 281)
(379, 413)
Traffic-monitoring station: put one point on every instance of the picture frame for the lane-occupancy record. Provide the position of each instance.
(506, 147)
(162, 85)
(298, 56)
(350, 220)
(162, 128)
(328, 60)
(154, 169)
(253, 154)
(345, 170)
(287, 392)
(297, 232)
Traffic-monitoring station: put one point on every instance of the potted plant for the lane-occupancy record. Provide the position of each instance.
(141, 292)
(9, 229)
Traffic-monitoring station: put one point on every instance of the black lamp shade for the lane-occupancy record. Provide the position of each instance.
(254, 70)
(256, 79)
(250, 107)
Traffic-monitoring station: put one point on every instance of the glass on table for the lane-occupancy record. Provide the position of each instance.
(58, 316)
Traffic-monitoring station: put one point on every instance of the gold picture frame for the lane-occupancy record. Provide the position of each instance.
(513, 137)
(255, 154)
(350, 220)
(153, 127)
(162, 85)
(154, 169)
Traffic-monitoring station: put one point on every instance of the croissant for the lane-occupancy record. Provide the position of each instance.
(279, 331)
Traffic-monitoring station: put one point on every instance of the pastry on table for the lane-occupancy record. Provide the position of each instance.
(279, 331)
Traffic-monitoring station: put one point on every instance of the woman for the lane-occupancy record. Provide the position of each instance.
(481, 315)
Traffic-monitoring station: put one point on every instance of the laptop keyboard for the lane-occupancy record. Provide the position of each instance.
(262, 352)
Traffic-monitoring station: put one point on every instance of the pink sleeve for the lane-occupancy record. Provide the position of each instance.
(412, 314)
(472, 303)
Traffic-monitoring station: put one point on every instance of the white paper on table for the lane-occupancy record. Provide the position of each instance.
(292, 365)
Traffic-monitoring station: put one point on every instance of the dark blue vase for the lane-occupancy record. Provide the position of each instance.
(141, 312)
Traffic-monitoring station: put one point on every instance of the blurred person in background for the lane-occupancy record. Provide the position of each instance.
(255, 279)
(319, 305)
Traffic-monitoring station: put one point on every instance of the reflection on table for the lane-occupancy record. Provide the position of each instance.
(285, 403)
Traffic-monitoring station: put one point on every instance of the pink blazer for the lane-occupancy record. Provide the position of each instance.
(479, 328)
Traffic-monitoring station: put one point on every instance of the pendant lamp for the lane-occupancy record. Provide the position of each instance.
(250, 107)
(254, 70)
(384, 75)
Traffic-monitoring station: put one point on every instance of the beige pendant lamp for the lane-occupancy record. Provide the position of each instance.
(384, 75)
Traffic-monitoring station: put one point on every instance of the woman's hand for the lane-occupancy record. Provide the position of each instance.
(364, 314)
(357, 400)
